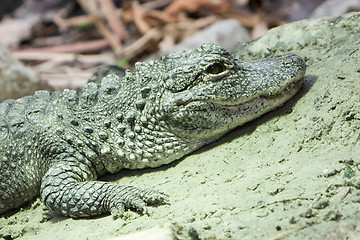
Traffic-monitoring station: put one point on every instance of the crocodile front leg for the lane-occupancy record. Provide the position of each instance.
(67, 188)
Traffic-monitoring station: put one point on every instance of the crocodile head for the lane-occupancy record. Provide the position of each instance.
(208, 92)
(190, 98)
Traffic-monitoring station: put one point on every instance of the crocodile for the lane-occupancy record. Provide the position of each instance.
(57, 144)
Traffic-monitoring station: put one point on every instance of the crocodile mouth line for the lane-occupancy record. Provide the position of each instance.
(291, 89)
(282, 94)
(288, 91)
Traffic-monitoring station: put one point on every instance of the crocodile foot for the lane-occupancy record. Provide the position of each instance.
(132, 197)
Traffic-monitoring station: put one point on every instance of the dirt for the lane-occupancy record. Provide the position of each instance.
(291, 174)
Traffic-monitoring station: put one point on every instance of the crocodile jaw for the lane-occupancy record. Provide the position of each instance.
(233, 116)
(206, 112)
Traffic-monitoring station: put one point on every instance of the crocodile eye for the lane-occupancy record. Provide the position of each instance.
(216, 68)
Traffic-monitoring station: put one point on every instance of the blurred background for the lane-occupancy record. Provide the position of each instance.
(57, 44)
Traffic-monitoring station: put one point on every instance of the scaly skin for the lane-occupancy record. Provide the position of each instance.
(58, 144)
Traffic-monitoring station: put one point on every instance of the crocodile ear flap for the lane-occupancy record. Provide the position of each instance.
(174, 84)
(180, 81)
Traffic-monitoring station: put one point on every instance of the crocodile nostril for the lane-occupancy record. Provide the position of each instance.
(292, 58)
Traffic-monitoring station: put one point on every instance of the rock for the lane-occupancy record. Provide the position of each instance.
(226, 33)
(16, 80)
(333, 8)
(325, 134)
(164, 232)
(320, 203)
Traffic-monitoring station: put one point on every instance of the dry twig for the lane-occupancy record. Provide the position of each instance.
(156, 4)
(103, 58)
(91, 8)
(141, 44)
(139, 18)
(79, 47)
(114, 19)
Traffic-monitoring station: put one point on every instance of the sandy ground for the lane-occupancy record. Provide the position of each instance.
(291, 174)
